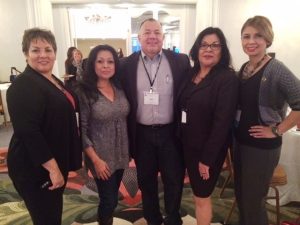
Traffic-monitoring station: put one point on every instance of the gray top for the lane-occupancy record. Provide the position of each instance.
(279, 87)
(163, 85)
(104, 128)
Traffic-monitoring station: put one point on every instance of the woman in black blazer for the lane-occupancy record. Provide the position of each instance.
(45, 144)
(208, 104)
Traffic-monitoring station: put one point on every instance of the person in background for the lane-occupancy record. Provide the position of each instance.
(69, 60)
(267, 86)
(45, 144)
(208, 106)
(120, 53)
(104, 109)
(74, 69)
(70, 55)
(151, 79)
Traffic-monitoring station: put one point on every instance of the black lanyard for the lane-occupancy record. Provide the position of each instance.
(151, 81)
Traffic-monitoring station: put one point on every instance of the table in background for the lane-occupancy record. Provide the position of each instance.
(290, 160)
(3, 89)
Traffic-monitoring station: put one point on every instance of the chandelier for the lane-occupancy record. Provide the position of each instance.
(96, 18)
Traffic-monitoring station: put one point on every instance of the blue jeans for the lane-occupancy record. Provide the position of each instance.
(108, 191)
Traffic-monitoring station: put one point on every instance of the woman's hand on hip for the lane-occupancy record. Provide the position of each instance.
(259, 131)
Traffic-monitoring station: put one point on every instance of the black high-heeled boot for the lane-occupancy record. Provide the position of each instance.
(105, 221)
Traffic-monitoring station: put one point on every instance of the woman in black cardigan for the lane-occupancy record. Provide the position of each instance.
(45, 145)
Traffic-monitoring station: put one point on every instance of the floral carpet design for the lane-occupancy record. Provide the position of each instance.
(81, 200)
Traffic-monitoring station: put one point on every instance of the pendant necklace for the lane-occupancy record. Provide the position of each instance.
(247, 72)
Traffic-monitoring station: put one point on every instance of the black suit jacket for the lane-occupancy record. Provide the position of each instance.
(210, 107)
(179, 64)
(45, 127)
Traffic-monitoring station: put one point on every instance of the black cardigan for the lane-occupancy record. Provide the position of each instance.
(45, 127)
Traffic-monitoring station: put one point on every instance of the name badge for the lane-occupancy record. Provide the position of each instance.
(77, 118)
(183, 116)
(151, 98)
(238, 115)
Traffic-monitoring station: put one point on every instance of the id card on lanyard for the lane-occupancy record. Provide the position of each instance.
(151, 97)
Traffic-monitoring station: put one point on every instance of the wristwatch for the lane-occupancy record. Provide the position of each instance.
(275, 131)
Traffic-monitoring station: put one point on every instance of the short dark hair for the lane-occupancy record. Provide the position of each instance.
(37, 33)
(90, 78)
(225, 60)
(149, 20)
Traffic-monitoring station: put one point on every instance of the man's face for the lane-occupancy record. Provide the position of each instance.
(151, 38)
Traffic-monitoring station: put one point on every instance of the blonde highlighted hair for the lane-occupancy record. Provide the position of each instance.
(264, 27)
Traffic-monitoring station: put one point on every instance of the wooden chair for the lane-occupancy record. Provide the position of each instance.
(279, 178)
(2, 111)
(227, 166)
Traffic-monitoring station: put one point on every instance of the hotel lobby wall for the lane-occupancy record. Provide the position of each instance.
(15, 17)
(186, 13)
(229, 15)
(285, 18)
(13, 22)
(85, 45)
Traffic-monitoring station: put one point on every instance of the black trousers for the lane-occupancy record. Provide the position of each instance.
(159, 151)
(44, 206)
(253, 170)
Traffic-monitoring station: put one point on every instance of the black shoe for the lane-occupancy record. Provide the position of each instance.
(105, 221)
(172, 220)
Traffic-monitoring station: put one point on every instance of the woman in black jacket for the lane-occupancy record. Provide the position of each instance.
(45, 145)
(208, 105)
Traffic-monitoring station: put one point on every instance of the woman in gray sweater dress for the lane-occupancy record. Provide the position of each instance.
(103, 112)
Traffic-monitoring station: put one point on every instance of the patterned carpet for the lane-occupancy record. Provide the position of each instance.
(80, 202)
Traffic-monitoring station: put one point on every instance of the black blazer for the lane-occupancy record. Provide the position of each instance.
(210, 107)
(179, 64)
(70, 69)
(45, 127)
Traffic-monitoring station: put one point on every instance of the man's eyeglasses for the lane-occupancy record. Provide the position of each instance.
(213, 46)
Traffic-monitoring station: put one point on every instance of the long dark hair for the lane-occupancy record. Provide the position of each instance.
(89, 81)
(69, 59)
(225, 60)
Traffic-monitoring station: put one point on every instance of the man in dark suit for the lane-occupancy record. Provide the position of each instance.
(151, 80)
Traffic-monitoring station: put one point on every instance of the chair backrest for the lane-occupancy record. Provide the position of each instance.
(279, 176)
(228, 162)
(1, 105)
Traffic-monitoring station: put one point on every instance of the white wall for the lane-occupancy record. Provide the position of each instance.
(13, 19)
(229, 15)
(285, 18)
(62, 36)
